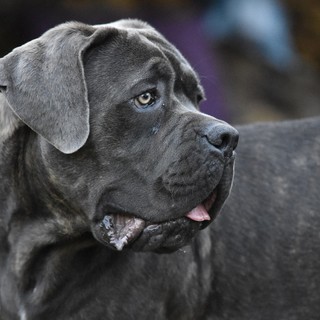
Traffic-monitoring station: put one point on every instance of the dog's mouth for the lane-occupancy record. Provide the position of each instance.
(119, 230)
(122, 230)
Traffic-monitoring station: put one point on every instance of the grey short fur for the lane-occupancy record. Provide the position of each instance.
(94, 186)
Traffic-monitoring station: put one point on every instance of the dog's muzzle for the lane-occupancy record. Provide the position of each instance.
(211, 164)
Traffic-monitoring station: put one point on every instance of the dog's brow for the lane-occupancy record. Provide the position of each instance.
(157, 69)
(160, 66)
(142, 84)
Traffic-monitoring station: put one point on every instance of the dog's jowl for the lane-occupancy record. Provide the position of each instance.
(110, 177)
(106, 162)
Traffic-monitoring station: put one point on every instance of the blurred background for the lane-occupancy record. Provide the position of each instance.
(259, 60)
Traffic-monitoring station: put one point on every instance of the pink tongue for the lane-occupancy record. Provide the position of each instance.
(199, 213)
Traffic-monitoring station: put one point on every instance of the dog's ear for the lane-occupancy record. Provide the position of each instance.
(44, 84)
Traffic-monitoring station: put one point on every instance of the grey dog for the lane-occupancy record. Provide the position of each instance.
(110, 176)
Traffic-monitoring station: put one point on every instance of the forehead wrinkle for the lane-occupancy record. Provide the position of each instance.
(186, 78)
(156, 67)
(182, 72)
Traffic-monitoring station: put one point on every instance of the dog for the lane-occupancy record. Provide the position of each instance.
(106, 162)
(111, 177)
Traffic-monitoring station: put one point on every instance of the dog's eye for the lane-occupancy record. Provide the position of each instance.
(145, 99)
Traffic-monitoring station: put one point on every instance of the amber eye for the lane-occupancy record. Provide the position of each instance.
(145, 99)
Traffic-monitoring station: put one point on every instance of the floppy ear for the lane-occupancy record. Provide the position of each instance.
(44, 84)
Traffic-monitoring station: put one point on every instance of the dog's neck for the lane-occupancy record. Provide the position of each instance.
(36, 237)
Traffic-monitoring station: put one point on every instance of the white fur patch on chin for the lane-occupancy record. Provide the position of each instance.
(22, 314)
(9, 122)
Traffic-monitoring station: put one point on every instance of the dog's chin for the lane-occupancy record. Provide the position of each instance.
(123, 230)
(120, 231)
(139, 235)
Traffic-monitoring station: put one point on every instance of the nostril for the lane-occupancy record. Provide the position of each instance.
(224, 138)
(222, 141)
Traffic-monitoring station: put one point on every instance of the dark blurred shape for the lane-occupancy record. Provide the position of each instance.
(260, 24)
(255, 91)
(306, 28)
(263, 75)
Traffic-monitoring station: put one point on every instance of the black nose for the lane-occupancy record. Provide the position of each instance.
(223, 137)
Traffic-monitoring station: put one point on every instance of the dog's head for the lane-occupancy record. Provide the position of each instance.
(114, 115)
